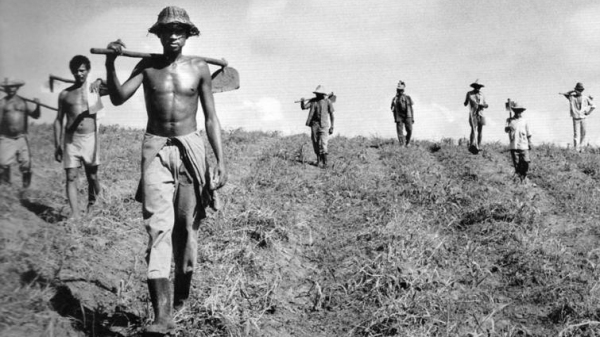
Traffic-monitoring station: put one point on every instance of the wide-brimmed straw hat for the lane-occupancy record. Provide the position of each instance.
(11, 82)
(320, 90)
(401, 85)
(579, 86)
(517, 107)
(171, 15)
(476, 84)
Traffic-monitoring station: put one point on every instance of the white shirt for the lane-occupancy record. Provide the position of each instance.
(585, 109)
(519, 134)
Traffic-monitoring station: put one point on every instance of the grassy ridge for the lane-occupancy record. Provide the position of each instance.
(424, 241)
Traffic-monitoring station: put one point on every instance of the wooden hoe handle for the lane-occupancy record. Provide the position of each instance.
(105, 51)
(32, 101)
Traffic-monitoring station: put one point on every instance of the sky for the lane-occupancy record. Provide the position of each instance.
(528, 51)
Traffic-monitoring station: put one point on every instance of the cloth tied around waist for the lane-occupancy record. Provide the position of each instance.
(193, 153)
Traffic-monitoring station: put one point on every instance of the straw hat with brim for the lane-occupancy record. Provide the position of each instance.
(516, 107)
(174, 15)
(320, 90)
(477, 85)
(10, 82)
(579, 86)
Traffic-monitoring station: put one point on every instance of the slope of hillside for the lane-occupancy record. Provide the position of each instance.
(423, 241)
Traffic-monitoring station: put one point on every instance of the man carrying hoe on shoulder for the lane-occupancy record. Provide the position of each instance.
(519, 135)
(174, 188)
(319, 116)
(581, 106)
(14, 117)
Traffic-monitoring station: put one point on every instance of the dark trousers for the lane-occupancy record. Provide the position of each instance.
(521, 161)
(401, 124)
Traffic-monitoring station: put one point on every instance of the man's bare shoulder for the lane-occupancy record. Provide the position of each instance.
(63, 94)
(20, 100)
(196, 61)
(148, 63)
(17, 102)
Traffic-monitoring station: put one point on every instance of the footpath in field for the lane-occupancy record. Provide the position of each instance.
(256, 261)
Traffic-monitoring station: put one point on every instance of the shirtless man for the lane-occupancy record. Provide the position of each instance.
(79, 143)
(14, 113)
(175, 184)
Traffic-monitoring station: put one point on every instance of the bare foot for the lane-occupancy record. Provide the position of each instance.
(160, 328)
(91, 208)
(74, 215)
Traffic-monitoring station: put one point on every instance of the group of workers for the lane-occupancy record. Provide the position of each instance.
(176, 184)
(516, 126)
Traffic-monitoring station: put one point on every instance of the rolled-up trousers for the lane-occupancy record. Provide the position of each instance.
(170, 214)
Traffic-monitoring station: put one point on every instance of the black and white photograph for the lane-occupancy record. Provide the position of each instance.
(306, 168)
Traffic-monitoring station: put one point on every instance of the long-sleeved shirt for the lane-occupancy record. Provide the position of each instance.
(475, 101)
(581, 106)
(320, 111)
(402, 107)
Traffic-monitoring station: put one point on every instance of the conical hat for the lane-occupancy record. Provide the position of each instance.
(11, 82)
(476, 84)
(320, 90)
(173, 14)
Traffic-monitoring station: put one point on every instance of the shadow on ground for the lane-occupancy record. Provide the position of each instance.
(91, 321)
(47, 213)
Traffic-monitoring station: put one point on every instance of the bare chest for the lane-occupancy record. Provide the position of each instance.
(13, 111)
(182, 80)
(75, 101)
(14, 119)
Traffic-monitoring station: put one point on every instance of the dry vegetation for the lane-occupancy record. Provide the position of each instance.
(424, 241)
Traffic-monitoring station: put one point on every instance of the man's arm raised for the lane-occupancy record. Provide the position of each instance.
(35, 112)
(591, 106)
(99, 86)
(305, 104)
(211, 123)
(119, 94)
